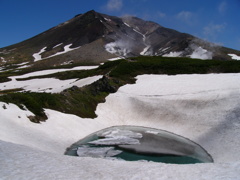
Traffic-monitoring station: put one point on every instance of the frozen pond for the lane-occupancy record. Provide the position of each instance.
(135, 143)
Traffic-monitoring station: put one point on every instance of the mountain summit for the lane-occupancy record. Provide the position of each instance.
(93, 37)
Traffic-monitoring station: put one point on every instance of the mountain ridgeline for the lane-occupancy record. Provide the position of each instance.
(92, 38)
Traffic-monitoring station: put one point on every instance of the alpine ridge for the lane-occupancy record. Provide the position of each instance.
(92, 38)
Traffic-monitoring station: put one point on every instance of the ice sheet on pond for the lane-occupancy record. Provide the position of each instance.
(85, 151)
(117, 137)
(115, 141)
(120, 133)
(152, 132)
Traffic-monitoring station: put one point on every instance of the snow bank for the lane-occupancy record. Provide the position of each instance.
(54, 135)
(21, 162)
(203, 108)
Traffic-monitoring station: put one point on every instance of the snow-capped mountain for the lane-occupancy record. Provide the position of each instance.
(45, 109)
(92, 38)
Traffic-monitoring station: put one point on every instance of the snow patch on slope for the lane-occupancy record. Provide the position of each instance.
(146, 51)
(234, 56)
(127, 25)
(38, 56)
(114, 59)
(66, 49)
(57, 45)
(108, 19)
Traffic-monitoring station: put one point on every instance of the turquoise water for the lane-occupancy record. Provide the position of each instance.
(152, 145)
(170, 159)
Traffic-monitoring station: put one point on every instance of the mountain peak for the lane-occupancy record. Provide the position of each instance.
(93, 37)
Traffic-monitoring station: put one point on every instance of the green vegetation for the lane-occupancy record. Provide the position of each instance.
(32, 101)
(78, 74)
(83, 101)
(10, 71)
(79, 101)
(172, 66)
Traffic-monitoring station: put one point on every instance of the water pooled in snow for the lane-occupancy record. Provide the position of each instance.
(201, 107)
(85, 151)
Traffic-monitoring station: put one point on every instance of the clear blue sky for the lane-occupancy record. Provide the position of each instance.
(214, 20)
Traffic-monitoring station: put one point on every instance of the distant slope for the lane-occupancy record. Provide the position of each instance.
(92, 38)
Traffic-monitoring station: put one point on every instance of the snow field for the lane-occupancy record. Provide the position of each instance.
(203, 108)
(21, 162)
(54, 135)
(51, 85)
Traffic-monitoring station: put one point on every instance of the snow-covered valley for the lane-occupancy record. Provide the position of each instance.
(203, 108)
